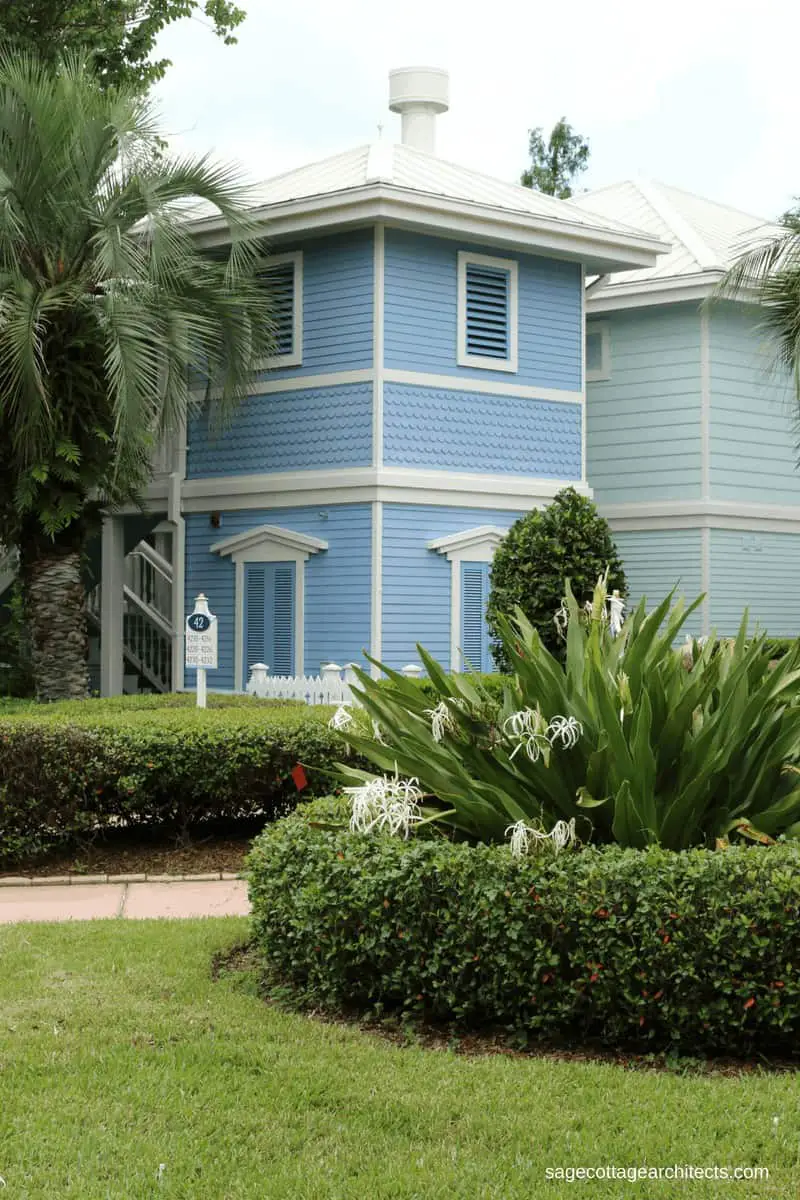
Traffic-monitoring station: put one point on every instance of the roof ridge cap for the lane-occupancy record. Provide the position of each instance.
(705, 257)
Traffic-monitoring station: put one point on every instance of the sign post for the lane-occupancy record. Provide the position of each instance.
(201, 644)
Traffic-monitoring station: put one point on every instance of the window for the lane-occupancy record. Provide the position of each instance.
(475, 645)
(283, 278)
(598, 352)
(269, 619)
(470, 553)
(269, 605)
(488, 307)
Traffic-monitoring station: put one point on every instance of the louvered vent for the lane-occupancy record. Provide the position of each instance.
(283, 620)
(279, 280)
(488, 301)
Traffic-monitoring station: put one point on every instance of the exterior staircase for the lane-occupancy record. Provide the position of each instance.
(147, 623)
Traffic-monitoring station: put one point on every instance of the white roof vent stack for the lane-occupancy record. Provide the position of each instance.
(419, 94)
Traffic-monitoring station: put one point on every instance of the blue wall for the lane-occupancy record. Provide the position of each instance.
(472, 431)
(656, 561)
(753, 432)
(300, 430)
(287, 431)
(757, 571)
(416, 581)
(420, 306)
(643, 424)
(337, 580)
(338, 285)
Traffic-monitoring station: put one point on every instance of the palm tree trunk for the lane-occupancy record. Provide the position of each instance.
(54, 598)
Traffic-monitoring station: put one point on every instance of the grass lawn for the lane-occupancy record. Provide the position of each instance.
(119, 1053)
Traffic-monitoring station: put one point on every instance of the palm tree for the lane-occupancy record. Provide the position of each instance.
(106, 306)
(768, 273)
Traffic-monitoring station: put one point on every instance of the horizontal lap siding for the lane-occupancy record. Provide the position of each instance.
(757, 571)
(337, 580)
(471, 431)
(338, 280)
(287, 431)
(658, 560)
(416, 581)
(643, 424)
(421, 300)
(753, 432)
(315, 427)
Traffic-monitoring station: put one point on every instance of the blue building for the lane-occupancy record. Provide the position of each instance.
(429, 387)
(691, 431)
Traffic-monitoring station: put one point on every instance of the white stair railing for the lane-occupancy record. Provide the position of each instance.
(147, 624)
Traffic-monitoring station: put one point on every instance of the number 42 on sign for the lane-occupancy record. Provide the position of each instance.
(200, 639)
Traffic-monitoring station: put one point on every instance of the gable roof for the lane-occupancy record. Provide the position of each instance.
(706, 238)
(400, 183)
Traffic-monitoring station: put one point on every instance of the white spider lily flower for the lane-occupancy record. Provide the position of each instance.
(377, 734)
(341, 719)
(561, 619)
(383, 803)
(616, 616)
(567, 730)
(441, 720)
(529, 728)
(523, 838)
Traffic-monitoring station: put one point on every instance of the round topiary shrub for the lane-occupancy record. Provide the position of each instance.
(695, 951)
(567, 540)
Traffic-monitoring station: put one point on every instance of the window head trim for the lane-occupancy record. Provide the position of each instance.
(484, 362)
(294, 358)
(602, 373)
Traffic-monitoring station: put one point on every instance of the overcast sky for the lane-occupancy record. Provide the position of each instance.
(700, 94)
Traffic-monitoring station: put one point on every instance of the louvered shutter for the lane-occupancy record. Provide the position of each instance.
(269, 616)
(279, 281)
(474, 632)
(255, 649)
(488, 330)
(283, 619)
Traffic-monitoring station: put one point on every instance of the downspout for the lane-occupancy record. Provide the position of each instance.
(176, 518)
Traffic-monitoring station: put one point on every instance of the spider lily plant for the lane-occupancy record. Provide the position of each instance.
(626, 738)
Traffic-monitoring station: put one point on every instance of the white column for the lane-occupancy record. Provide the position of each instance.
(112, 581)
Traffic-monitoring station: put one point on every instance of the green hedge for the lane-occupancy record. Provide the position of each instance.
(492, 684)
(70, 770)
(695, 951)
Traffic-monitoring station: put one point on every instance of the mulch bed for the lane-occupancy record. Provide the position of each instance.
(124, 853)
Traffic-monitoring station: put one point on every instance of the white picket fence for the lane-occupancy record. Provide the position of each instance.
(331, 686)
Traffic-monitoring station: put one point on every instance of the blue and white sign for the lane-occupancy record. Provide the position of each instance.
(200, 637)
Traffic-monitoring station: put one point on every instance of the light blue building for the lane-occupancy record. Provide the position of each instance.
(691, 436)
(428, 389)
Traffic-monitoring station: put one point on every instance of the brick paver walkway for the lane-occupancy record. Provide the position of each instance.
(47, 901)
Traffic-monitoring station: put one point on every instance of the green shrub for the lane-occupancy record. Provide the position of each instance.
(492, 685)
(695, 951)
(567, 540)
(656, 752)
(68, 771)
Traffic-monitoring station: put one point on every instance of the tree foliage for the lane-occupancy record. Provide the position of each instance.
(557, 162)
(119, 35)
(106, 303)
(567, 540)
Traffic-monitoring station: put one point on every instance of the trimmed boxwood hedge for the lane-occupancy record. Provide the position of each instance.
(68, 771)
(691, 951)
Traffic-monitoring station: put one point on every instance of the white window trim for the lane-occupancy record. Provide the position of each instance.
(268, 543)
(295, 359)
(602, 373)
(472, 545)
(464, 359)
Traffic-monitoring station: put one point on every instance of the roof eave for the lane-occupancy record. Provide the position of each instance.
(602, 251)
(674, 289)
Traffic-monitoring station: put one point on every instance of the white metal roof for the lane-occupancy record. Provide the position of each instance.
(706, 237)
(324, 193)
